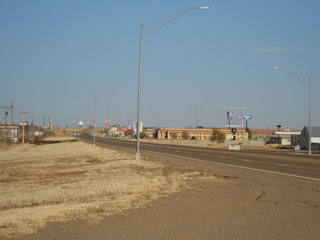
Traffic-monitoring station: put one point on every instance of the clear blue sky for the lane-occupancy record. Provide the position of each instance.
(55, 55)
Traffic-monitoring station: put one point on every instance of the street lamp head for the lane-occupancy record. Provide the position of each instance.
(178, 99)
(204, 8)
(275, 67)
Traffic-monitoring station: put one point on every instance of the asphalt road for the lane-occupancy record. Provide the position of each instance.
(298, 166)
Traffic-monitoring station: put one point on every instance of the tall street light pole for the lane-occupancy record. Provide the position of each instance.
(94, 120)
(306, 81)
(196, 108)
(156, 25)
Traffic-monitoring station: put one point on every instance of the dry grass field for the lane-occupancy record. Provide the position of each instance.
(74, 180)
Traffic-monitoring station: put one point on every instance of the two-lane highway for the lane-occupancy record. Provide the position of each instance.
(291, 165)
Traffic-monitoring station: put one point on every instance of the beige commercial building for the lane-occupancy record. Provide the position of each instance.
(203, 134)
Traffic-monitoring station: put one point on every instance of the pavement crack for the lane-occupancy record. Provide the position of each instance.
(261, 183)
(311, 204)
(263, 194)
(258, 199)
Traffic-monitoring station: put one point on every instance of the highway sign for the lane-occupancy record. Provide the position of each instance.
(247, 117)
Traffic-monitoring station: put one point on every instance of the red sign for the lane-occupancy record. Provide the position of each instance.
(125, 129)
(107, 122)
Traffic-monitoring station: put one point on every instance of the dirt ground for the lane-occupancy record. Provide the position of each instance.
(75, 180)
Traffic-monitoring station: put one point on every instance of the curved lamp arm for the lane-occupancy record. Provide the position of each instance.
(168, 19)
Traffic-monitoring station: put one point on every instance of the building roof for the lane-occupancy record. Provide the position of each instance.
(315, 131)
(287, 133)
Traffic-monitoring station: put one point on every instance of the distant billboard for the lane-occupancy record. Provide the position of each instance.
(247, 117)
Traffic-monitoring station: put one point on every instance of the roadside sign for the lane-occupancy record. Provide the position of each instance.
(247, 117)
(229, 115)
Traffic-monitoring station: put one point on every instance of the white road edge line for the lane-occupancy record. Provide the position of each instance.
(231, 165)
(279, 164)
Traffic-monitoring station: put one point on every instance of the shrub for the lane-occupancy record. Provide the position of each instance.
(217, 136)
(249, 134)
(185, 135)
(174, 135)
(143, 134)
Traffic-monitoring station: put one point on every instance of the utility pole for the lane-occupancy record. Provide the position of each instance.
(32, 127)
(23, 122)
(5, 127)
(11, 112)
(94, 120)
(39, 129)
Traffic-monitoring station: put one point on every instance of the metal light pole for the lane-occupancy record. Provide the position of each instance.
(306, 81)
(155, 25)
(94, 120)
(5, 127)
(196, 108)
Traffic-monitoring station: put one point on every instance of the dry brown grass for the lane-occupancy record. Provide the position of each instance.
(60, 182)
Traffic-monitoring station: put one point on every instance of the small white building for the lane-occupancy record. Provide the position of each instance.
(315, 138)
(285, 138)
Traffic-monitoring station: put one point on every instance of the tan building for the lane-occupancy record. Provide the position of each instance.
(239, 135)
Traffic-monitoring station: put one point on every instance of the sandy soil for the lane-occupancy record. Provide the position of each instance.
(74, 180)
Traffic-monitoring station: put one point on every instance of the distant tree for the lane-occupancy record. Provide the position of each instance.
(130, 133)
(217, 136)
(174, 135)
(249, 135)
(185, 135)
(143, 134)
(221, 138)
(249, 131)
